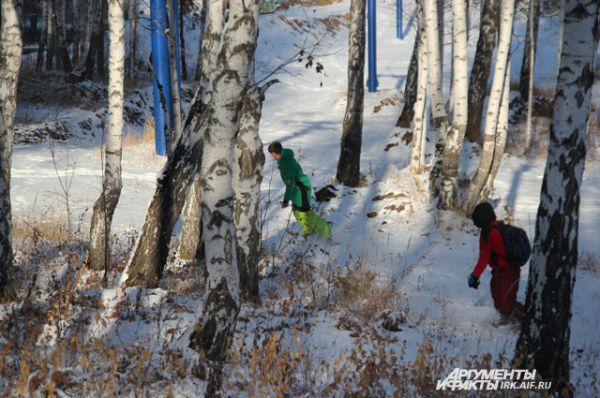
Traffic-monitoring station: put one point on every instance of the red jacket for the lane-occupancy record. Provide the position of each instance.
(495, 244)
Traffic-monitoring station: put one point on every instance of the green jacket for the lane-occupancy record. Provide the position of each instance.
(297, 184)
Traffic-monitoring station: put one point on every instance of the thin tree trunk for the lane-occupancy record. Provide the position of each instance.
(203, 13)
(348, 167)
(501, 135)
(87, 33)
(10, 61)
(456, 133)
(43, 36)
(59, 22)
(247, 175)
(50, 29)
(419, 139)
(182, 58)
(150, 255)
(528, 67)
(86, 69)
(77, 24)
(410, 88)
(134, 39)
(438, 107)
(101, 62)
(441, 30)
(544, 340)
(528, 64)
(176, 129)
(476, 187)
(480, 71)
(214, 330)
(104, 207)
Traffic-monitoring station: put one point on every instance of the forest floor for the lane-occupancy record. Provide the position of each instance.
(383, 310)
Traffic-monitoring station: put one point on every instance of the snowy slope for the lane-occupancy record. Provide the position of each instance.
(388, 226)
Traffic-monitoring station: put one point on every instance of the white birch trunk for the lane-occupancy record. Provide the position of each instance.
(478, 182)
(150, 255)
(501, 135)
(459, 100)
(480, 72)
(438, 107)
(544, 341)
(233, 71)
(191, 232)
(419, 123)
(191, 241)
(248, 164)
(11, 48)
(104, 207)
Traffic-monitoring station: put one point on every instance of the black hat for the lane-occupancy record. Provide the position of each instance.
(275, 147)
(483, 215)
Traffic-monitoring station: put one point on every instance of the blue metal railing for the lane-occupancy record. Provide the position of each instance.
(372, 82)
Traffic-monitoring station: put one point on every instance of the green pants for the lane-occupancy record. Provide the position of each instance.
(311, 222)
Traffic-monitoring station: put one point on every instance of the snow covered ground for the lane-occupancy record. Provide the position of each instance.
(386, 231)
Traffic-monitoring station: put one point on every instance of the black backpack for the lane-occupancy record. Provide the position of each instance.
(516, 242)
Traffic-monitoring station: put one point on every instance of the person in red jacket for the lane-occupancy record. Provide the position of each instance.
(505, 277)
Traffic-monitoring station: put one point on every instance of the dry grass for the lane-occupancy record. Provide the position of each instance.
(360, 294)
(34, 231)
(139, 148)
(132, 139)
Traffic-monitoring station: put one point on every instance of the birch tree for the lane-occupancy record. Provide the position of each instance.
(50, 34)
(410, 88)
(190, 240)
(59, 22)
(248, 161)
(528, 64)
(480, 71)
(456, 133)
(528, 67)
(10, 61)
(190, 243)
(176, 129)
(85, 70)
(544, 340)
(213, 333)
(106, 204)
(475, 192)
(419, 122)
(438, 107)
(200, 40)
(134, 18)
(43, 36)
(150, 255)
(348, 167)
(501, 136)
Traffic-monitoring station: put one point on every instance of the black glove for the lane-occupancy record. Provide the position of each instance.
(473, 281)
(284, 204)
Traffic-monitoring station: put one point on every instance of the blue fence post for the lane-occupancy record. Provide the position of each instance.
(399, 27)
(372, 18)
(161, 80)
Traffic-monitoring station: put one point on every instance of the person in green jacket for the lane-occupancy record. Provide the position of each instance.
(297, 190)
